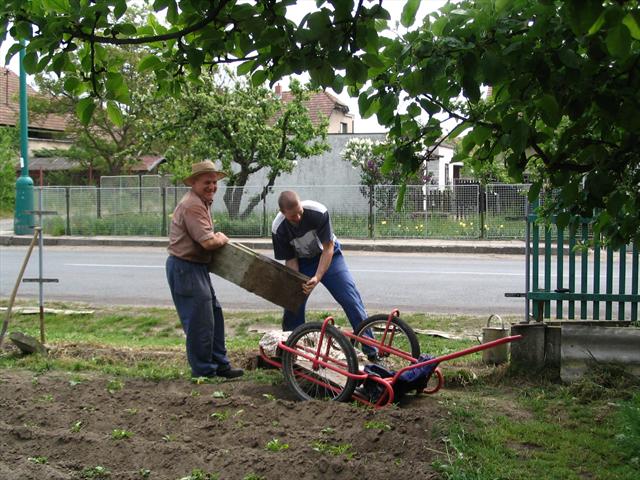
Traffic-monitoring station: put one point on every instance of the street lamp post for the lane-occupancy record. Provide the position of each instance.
(23, 219)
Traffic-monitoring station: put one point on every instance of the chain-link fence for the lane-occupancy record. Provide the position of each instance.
(457, 212)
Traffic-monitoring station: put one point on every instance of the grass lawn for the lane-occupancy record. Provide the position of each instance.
(500, 423)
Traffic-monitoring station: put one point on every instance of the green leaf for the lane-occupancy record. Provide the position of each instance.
(632, 22)
(245, 67)
(534, 191)
(120, 8)
(492, 67)
(85, 109)
(72, 84)
(519, 137)
(619, 41)
(150, 62)
(114, 114)
(258, 78)
(549, 110)
(582, 14)
(195, 58)
(30, 62)
(502, 4)
(458, 130)
(408, 16)
(598, 24)
(480, 134)
(56, 5)
(562, 219)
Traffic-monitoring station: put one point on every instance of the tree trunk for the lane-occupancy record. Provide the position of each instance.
(256, 199)
(233, 194)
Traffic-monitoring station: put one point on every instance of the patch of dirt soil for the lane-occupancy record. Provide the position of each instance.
(58, 425)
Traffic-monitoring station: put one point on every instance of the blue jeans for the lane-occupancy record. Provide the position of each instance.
(200, 315)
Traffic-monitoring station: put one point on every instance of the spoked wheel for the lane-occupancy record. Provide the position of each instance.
(398, 335)
(309, 381)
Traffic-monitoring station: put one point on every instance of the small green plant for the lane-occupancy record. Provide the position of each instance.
(144, 473)
(114, 385)
(220, 416)
(121, 434)
(75, 428)
(38, 460)
(376, 425)
(131, 411)
(198, 474)
(276, 445)
(47, 397)
(269, 397)
(328, 431)
(340, 449)
(219, 394)
(168, 438)
(195, 393)
(97, 473)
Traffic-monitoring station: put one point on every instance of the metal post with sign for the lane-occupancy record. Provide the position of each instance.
(23, 218)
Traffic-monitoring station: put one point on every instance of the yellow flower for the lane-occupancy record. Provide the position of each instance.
(383, 222)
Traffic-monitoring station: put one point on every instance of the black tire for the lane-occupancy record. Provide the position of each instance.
(404, 338)
(340, 348)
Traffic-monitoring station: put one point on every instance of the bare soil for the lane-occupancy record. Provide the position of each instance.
(63, 425)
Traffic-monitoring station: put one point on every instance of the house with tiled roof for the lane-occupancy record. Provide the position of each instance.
(45, 132)
(324, 105)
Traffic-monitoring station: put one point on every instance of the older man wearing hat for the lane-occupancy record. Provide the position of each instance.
(191, 239)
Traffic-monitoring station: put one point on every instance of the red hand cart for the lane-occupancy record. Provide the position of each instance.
(320, 361)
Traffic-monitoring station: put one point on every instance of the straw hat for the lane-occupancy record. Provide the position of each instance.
(203, 167)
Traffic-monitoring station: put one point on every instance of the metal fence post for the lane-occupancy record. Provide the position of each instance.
(371, 220)
(98, 202)
(140, 193)
(67, 204)
(482, 207)
(264, 212)
(163, 195)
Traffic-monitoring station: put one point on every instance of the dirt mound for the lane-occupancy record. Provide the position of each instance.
(74, 426)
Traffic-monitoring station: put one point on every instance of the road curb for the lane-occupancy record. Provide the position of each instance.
(477, 247)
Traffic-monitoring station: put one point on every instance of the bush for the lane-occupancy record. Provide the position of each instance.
(8, 157)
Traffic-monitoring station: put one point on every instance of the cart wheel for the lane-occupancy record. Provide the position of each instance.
(399, 335)
(310, 383)
(435, 383)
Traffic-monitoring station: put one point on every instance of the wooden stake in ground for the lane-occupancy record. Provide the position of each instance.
(5, 324)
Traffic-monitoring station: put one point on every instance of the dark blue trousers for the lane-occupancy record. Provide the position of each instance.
(200, 315)
(339, 282)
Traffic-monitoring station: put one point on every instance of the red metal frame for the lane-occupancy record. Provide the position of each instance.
(323, 359)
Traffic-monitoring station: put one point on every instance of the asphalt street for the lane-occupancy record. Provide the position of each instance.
(424, 282)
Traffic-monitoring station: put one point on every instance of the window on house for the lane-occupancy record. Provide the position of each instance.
(344, 127)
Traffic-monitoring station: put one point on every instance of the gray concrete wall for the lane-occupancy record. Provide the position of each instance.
(319, 174)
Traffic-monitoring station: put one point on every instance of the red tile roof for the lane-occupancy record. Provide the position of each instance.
(10, 104)
(320, 105)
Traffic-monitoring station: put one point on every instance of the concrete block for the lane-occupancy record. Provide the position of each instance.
(582, 346)
(529, 351)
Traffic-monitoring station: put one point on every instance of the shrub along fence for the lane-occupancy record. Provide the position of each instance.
(458, 212)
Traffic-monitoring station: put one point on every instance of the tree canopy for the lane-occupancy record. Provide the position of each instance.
(249, 129)
(564, 75)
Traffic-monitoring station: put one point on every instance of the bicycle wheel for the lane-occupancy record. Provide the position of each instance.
(309, 382)
(399, 335)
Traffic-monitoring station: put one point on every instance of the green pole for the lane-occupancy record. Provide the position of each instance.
(23, 222)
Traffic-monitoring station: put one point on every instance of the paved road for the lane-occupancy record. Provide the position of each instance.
(411, 282)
